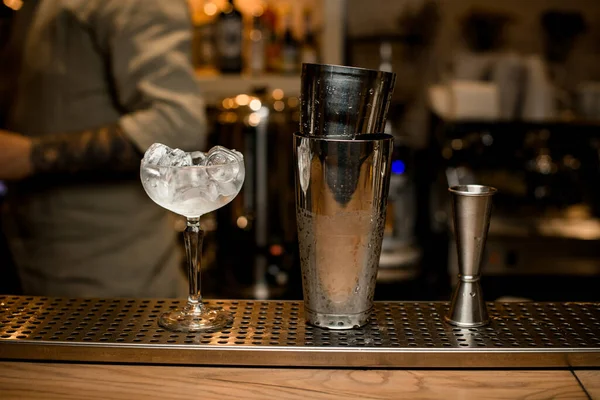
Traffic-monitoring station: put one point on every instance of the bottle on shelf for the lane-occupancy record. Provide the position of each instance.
(257, 50)
(310, 50)
(203, 43)
(289, 48)
(229, 35)
(272, 43)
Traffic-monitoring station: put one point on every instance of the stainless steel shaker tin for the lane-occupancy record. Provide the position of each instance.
(339, 101)
(341, 196)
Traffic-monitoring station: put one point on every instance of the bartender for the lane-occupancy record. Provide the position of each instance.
(86, 86)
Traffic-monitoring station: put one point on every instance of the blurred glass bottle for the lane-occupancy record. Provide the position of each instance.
(272, 44)
(309, 53)
(257, 53)
(203, 46)
(289, 49)
(229, 30)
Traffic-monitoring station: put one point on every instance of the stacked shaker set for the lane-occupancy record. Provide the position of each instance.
(342, 168)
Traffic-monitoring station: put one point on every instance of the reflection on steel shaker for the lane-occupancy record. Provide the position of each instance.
(341, 216)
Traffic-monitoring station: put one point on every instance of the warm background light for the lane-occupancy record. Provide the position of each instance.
(202, 8)
(13, 4)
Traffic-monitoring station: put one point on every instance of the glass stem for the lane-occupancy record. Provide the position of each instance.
(193, 237)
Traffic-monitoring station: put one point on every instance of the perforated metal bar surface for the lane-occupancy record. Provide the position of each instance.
(272, 333)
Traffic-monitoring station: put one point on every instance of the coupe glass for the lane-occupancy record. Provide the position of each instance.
(192, 191)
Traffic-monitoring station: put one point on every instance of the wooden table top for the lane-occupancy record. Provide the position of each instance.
(28, 380)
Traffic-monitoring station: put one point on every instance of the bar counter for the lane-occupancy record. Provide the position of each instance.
(114, 349)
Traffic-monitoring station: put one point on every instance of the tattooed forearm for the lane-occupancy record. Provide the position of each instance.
(105, 149)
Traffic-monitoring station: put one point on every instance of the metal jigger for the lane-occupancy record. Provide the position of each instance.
(471, 212)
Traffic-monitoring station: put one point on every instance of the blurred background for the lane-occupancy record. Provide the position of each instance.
(506, 95)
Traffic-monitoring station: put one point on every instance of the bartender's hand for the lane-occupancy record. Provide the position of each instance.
(15, 160)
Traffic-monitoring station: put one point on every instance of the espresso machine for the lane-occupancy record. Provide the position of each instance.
(400, 253)
(255, 238)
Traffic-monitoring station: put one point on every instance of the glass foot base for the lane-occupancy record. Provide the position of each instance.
(337, 321)
(206, 319)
